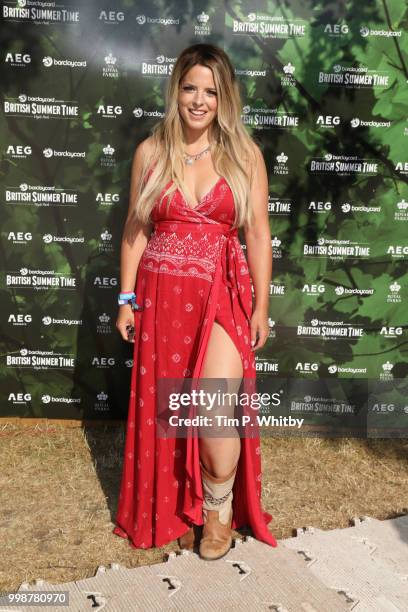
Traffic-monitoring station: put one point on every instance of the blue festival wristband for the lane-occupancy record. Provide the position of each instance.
(127, 295)
(129, 298)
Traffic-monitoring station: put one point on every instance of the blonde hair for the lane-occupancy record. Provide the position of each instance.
(231, 147)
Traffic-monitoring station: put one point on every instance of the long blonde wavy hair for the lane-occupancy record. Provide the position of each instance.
(231, 147)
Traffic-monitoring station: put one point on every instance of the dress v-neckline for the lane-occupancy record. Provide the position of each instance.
(205, 196)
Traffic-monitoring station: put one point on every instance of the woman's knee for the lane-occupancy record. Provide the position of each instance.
(222, 358)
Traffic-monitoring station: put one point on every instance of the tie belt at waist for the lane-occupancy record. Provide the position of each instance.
(217, 228)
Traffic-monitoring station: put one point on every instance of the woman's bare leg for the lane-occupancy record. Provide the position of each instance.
(222, 360)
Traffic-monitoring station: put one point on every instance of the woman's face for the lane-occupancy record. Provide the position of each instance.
(197, 92)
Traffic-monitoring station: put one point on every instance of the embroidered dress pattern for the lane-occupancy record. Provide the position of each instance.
(192, 272)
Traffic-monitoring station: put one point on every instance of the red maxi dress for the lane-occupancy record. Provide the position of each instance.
(193, 272)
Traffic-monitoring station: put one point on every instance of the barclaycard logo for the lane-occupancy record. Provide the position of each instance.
(49, 61)
(47, 399)
(365, 31)
(48, 238)
(48, 152)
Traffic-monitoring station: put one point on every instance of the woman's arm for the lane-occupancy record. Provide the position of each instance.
(134, 240)
(259, 252)
(135, 235)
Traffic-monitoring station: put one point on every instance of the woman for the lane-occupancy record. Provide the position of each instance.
(194, 182)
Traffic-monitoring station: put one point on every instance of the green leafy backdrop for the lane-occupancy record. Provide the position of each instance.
(334, 34)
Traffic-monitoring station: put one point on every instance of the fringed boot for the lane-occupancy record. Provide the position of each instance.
(216, 538)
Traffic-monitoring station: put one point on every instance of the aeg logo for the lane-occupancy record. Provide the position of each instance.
(107, 198)
(19, 398)
(20, 237)
(109, 110)
(336, 28)
(328, 120)
(103, 362)
(18, 150)
(18, 58)
(105, 281)
(111, 16)
(307, 366)
(19, 319)
(319, 206)
(391, 331)
(316, 289)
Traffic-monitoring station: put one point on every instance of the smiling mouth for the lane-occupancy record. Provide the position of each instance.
(197, 113)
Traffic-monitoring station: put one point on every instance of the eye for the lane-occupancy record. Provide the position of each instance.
(212, 92)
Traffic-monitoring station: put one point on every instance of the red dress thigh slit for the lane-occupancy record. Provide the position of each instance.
(193, 262)
(224, 317)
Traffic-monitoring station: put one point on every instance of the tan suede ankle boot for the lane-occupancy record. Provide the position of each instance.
(186, 541)
(216, 538)
(190, 540)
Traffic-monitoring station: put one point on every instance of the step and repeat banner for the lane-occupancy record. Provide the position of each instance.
(324, 90)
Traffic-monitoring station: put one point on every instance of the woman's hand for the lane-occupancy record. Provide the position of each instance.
(259, 329)
(125, 322)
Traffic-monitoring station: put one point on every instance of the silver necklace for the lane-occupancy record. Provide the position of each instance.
(190, 159)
